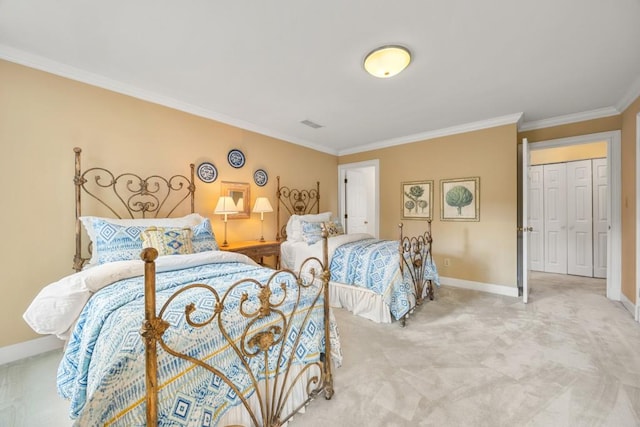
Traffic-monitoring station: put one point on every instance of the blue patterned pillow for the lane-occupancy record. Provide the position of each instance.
(116, 242)
(311, 232)
(203, 238)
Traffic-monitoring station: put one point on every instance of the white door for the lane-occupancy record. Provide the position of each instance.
(555, 218)
(579, 219)
(536, 218)
(525, 223)
(357, 196)
(600, 217)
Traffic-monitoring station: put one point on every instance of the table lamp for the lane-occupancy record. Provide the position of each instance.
(224, 207)
(262, 205)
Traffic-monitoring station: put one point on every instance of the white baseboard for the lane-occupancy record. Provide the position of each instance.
(479, 286)
(14, 352)
(631, 307)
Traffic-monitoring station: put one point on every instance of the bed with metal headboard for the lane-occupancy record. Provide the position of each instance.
(195, 336)
(381, 280)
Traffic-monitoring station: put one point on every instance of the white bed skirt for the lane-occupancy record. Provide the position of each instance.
(359, 301)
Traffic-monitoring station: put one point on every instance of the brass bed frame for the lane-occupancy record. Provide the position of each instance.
(414, 251)
(127, 195)
(146, 197)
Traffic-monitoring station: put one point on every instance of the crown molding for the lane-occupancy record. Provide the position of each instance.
(44, 64)
(47, 65)
(569, 118)
(439, 133)
(632, 94)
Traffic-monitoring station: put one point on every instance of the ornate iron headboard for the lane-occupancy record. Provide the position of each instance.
(128, 196)
(295, 202)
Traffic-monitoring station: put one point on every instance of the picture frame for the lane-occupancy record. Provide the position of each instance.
(460, 199)
(240, 193)
(417, 200)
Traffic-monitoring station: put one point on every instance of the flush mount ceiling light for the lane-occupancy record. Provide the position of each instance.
(387, 61)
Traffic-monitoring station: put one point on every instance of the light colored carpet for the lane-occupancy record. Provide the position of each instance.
(568, 358)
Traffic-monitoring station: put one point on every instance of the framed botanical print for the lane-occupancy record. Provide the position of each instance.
(417, 200)
(460, 199)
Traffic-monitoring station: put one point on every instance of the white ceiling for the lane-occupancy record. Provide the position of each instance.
(268, 65)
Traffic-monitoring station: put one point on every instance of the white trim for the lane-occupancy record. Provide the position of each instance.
(25, 349)
(453, 130)
(628, 305)
(375, 163)
(569, 118)
(632, 94)
(614, 181)
(77, 74)
(637, 311)
(509, 291)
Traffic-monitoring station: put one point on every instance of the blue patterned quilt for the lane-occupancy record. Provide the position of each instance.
(373, 264)
(102, 371)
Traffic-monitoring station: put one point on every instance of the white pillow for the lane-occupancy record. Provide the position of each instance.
(190, 220)
(294, 226)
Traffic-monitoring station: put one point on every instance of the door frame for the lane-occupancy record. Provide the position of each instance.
(342, 170)
(614, 183)
(637, 313)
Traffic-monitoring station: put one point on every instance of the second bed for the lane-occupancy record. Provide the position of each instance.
(381, 280)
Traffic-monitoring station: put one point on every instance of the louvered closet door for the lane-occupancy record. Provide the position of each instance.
(579, 218)
(555, 220)
(536, 218)
(600, 217)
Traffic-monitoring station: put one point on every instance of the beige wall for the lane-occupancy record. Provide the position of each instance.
(587, 127)
(546, 156)
(42, 117)
(484, 251)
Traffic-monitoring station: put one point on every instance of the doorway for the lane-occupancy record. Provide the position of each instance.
(613, 256)
(568, 211)
(359, 197)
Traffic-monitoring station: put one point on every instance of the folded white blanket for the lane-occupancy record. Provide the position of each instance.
(57, 307)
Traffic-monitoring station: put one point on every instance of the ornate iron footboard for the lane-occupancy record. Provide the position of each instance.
(263, 336)
(415, 254)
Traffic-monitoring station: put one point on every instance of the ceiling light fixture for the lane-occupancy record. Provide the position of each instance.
(387, 61)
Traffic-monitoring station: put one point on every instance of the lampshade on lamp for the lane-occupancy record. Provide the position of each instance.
(224, 207)
(262, 205)
(387, 61)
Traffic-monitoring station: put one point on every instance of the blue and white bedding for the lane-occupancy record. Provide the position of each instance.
(369, 264)
(102, 372)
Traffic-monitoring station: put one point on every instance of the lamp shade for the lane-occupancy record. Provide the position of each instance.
(225, 206)
(262, 205)
(387, 61)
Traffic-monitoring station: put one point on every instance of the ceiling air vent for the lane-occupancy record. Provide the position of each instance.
(311, 124)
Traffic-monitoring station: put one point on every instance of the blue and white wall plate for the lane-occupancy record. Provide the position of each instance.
(207, 172)
(236, 158)
(260, 177)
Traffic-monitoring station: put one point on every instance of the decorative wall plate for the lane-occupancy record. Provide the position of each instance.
(207, 172)
(260, 177)
(236, 158)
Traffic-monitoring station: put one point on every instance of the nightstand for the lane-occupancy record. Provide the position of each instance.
(256, 250)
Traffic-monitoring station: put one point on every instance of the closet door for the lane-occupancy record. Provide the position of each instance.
(600, 217)
(579, 218)
(555, 218)
(536, 218)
